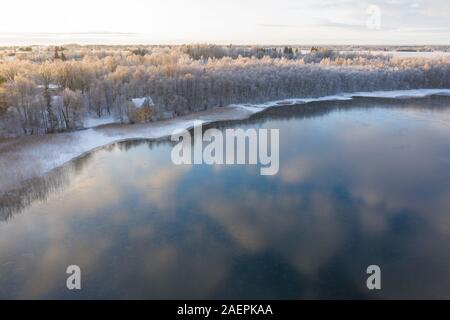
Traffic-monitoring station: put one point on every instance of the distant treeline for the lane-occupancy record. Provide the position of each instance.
(55, 92)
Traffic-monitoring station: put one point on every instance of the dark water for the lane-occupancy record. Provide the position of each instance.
(360, 183)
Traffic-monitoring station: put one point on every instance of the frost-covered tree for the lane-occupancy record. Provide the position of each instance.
(184, 79)
(71, 107)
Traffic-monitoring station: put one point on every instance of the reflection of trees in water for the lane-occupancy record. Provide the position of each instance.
(16, 200)
(39, 188)
(129, 144)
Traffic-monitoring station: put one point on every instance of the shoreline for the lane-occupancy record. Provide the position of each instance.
(26, 158)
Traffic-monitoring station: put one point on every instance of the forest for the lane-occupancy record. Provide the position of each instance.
(54, 89)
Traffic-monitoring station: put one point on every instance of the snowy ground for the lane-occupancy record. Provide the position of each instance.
(92, 122)
(24, 158)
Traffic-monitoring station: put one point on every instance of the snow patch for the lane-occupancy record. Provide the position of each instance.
(84, 141)
(92, 122)
(51, 86)
(139, 102)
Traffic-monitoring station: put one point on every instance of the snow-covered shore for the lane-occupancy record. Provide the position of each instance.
(25, 158)
(394, 94)
(28, 157)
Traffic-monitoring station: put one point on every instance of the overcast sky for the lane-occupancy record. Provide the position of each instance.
(226, 21)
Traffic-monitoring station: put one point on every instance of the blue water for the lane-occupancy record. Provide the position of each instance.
(360, 183)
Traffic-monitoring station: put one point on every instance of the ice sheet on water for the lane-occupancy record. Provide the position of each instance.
(394, 94)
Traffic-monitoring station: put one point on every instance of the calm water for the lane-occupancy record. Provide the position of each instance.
(360, 183)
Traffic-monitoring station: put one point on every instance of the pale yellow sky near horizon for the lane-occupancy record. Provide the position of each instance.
(232, 21)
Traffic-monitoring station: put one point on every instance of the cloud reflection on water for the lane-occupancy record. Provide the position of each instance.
(356, 186)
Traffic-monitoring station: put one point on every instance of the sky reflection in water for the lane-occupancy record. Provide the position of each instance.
(365, 183)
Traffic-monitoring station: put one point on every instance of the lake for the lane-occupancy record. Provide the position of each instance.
(362, 182)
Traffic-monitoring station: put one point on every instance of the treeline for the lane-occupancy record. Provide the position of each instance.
(44, 96)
